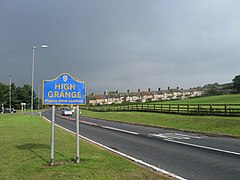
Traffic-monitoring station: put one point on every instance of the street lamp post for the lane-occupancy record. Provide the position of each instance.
(33, 52)
(10, 93)
(39, 95)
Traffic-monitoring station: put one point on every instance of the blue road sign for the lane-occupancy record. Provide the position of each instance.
(63, 90)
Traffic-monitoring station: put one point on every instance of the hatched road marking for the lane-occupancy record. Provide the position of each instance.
(174, 136)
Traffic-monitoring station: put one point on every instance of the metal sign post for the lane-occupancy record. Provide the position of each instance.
(77, 135)
(22, 106)
(64, 90)
(52, 136)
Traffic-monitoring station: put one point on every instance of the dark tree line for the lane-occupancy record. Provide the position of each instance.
(236, 83)
(18, 95)
(227, 88)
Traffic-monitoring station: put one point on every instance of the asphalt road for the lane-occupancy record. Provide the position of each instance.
(188, 155)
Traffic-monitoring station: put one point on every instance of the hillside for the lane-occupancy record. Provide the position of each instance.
(221, 99)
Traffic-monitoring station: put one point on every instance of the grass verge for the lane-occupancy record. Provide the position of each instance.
(25, 152)
(216, 125)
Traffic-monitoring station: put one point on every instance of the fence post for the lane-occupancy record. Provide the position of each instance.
(211, 110)
(178, 109)
(169, 107)
(142, 107)
(198, 109)
(225, 109)
(154, 108)
(188, 109)
(161, 107)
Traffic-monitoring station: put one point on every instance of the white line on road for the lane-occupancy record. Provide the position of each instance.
(168, 136)
(175, 136)
(195, 137)
(125, 155)
(120, 130)
(203, 147)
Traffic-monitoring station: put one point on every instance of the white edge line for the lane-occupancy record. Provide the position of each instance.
(124, 155)
(203, 147)
(121, 130)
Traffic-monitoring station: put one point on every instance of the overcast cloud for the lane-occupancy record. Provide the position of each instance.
(121, 44)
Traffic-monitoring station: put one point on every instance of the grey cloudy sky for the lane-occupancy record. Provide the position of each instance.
(121, 44)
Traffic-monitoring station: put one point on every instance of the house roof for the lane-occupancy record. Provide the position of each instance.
(113, 95)
(175, 90)
(91, 97)
(166, 92)
(156, 92)
(198, 89)
(100, 96)
(135, 94)
(185, 91)
(145, 93)
(123, 94)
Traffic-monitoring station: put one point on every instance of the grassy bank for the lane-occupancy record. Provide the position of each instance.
(221, 99)
(207, 124)
(25, 152)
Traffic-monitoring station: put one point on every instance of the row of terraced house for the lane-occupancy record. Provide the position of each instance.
(116, 97)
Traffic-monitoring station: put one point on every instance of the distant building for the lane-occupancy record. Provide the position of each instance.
(146, 95)
(157, 95)
(176, 93)
(116, 97)
(135, 96)
(95, 99)
(196, 92)
(167, 94)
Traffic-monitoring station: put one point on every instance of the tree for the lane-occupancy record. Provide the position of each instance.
(18, 95)
(212, 91)
(236, 83)
(4, 95)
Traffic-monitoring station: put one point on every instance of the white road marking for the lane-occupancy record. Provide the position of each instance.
(195, 137)
(120, 130)
(203, 147)
(174, 136)
(171, 136)
(124, 155)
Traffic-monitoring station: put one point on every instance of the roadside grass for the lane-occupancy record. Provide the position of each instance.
(215, 125)
(25, 153)
(29, 110)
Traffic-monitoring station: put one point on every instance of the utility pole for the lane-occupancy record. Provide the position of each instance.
(10, 93)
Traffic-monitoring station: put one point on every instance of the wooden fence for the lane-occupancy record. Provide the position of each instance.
(189, 109)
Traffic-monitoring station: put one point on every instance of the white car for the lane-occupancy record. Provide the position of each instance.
(67, 112)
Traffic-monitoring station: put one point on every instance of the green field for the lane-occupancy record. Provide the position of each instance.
(207, 124)
(215, 125)
(25, 152)
(221, 99)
